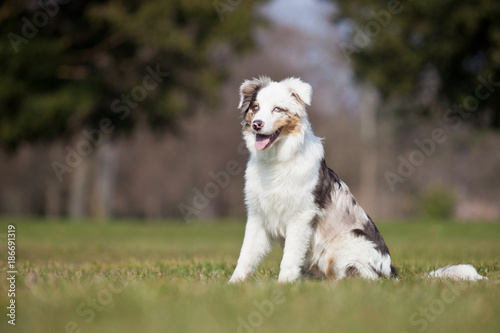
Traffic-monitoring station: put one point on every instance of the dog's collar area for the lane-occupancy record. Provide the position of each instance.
(263, 141)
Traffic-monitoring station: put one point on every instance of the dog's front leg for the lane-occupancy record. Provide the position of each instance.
(297, 242)
(256, 244)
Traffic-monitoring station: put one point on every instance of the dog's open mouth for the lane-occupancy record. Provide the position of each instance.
(264, 141)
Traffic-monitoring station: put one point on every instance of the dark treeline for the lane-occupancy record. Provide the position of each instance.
(128, 108)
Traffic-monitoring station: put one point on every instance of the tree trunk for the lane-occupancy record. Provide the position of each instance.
(53, 188)
(105, 173)
(368, 181)
(79, 188)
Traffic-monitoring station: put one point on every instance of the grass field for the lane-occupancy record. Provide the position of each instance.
(136, 277)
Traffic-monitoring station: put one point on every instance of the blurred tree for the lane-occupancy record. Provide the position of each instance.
(87, 70)
(67, 65)
(426, 58)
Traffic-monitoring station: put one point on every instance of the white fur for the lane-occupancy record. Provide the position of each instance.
(457, 272)
(280, 205)
(279, 193)
(280, 181)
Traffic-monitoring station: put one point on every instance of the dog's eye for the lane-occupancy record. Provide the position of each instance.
(255, 107)
(278, 109)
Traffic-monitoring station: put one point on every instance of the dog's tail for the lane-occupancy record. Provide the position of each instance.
(457, 272)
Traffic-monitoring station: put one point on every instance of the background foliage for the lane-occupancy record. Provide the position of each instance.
(62, 75)
(68, 74)
(428, 55)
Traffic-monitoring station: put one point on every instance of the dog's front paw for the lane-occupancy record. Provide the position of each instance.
(289, 275)
(236, 278)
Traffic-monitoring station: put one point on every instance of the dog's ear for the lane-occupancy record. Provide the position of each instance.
(301, 90)
(249, 89)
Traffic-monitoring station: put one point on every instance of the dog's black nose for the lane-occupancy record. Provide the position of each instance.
(257, 124)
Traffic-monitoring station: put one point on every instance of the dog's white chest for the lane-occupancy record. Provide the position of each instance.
(280, 195)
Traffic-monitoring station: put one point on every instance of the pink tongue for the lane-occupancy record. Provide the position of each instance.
(261, 141)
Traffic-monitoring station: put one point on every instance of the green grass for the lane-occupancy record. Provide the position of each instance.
(132, 277)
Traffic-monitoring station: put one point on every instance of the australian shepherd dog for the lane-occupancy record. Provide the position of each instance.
(292, 195)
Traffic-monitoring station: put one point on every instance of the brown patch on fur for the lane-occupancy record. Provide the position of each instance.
(249, 115)
(290, 124)
(329, 272)
(248, 93)
(249, 90)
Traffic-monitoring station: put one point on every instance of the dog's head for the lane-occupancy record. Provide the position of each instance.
(272, 110)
